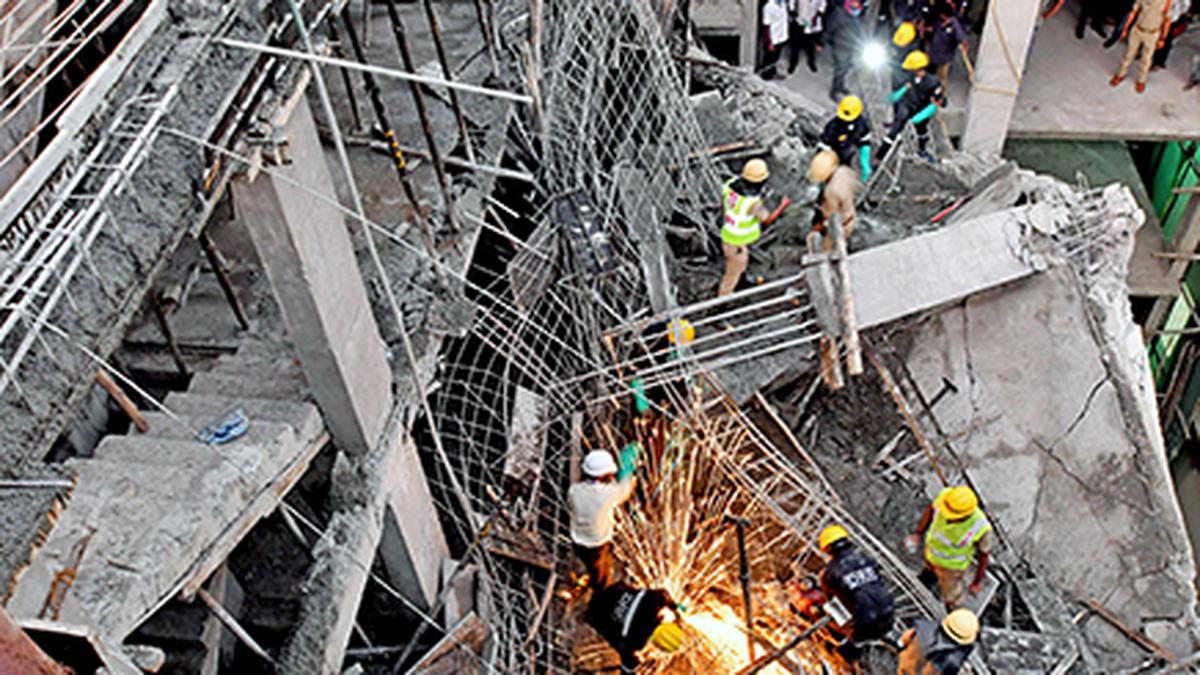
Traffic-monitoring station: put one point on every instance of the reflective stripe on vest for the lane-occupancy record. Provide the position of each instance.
(952, 545)
(740, 226)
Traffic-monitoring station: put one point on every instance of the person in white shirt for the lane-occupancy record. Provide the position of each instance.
(593, 502)
(775, 36)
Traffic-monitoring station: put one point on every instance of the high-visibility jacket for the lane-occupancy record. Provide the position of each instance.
(740, 226)
(951, 545)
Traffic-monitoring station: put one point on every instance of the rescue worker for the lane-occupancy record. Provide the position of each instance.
(628, 618)
(932, 648)
(837, 195)
(1149, 24)
(917, 101)
(593, 503)
(947, 37)
(955, 529)
(904, 42)
(853, 578)
(743, 217)
(849, 134)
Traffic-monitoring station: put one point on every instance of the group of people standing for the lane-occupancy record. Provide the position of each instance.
(1150, 26)
(792, 28)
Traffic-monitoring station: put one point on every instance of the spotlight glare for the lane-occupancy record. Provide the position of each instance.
(874, 56)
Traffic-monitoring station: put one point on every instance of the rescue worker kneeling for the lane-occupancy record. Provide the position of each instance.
(933, 648)
(629, 618)
(853, 578)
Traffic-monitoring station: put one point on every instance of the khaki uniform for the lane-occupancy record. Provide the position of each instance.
(1149, 27)
(839, 198)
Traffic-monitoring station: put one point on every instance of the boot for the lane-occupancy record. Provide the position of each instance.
(923, 150)
(1116, 79)
(1140, 86)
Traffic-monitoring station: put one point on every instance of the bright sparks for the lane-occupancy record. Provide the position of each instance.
(723, 631)
(874, 56)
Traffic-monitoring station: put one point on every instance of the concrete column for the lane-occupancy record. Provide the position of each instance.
(748, 33)
(1006, 35)
(303, 243)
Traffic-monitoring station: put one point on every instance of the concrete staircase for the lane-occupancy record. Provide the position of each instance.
(165, 510)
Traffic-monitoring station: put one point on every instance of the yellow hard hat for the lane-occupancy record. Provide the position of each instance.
(830, 535)
(959, 502)
(755, 171)
(668, 636)
(905, 34)
(823, 166)
(685, 330)
(962, 626)
(916, 60)
(849, 108)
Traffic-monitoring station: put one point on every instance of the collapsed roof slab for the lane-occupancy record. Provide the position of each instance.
(1064, 446)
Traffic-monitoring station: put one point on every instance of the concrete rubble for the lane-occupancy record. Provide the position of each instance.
(395, 498)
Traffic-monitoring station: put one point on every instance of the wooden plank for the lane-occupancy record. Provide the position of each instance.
(445, 658)
(1136, 636)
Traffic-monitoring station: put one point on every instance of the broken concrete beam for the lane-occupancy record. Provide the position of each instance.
(1023, 653)
(384, 485)
(461, 600)
(526, 437)
(302, 417)
(306, 250)
(919, 273)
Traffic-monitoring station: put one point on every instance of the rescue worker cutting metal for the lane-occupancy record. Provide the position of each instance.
(629, 618)
(743, 217)
(917, 102)
(593, 503)
(849, 135)
(853, 578)
(939, 648)
(955, 530)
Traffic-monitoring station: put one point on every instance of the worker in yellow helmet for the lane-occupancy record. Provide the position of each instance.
(917, 102)
(955, 531)
(838, 187)
(939, 648)
(630, 618)
(904, 42)
(743, 216)
(849, 135)
(853, 578)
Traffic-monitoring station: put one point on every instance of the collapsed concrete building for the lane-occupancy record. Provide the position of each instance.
(419, 253)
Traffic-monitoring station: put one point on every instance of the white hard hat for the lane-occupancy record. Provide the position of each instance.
(599, 463)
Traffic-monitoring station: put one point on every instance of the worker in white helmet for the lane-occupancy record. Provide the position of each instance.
(594, 501)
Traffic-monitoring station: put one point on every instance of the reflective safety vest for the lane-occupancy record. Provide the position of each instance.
(952, 545)
(740, 226)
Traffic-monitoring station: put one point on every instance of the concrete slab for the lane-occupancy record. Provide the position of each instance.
(1066, 464)
(132, 565)
(303, 417)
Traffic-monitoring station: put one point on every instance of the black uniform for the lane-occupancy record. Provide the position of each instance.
(853, 578)
(626, 617)
(845, 138)
(945, 655)
(908, 10)
(918, 94)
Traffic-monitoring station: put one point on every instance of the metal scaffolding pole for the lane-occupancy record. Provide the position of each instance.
(439, 167)
(436, 29)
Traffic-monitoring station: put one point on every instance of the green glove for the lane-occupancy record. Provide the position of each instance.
(926, 112)
(864, 161)
(640, 402)
(897, 95)
(627, 460)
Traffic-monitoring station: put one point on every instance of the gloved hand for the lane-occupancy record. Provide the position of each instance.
(926, 112)
(640, 402)
(897, 95)
(864, 161)
(627, 460)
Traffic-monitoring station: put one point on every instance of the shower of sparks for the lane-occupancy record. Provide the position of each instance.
(675, 534)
